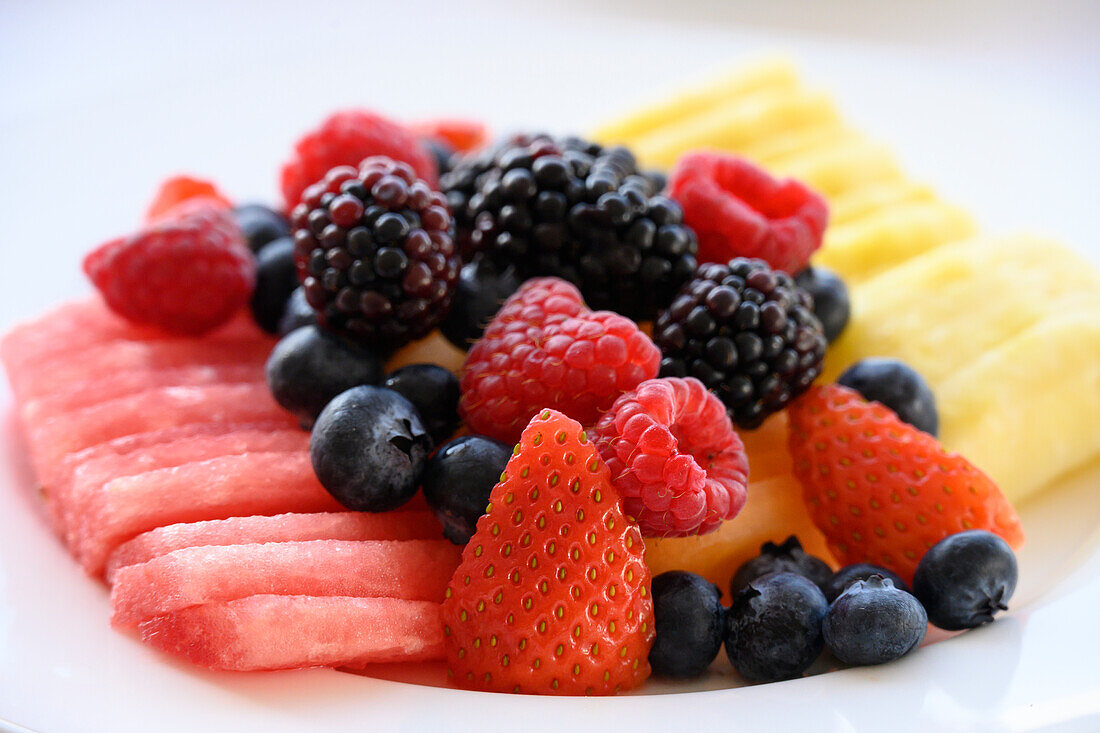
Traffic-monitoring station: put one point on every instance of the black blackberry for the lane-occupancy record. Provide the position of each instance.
(745, 331)
(575, 210)
(375, 253)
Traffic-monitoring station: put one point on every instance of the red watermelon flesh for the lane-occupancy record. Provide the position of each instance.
(73, 327)
(85, 394)
(93, 474)
(103, 360)
(415, 570)
(153, 409)
(286, 632)
(229, 486)
(395, 525)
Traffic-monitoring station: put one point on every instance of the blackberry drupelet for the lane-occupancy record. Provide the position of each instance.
(745, 331)
(575, 210)
(375, 253)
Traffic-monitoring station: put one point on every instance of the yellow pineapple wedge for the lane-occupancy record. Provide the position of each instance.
(875, 196)
(771, 151)
(840, 168)
(765, 74)
(865, 247)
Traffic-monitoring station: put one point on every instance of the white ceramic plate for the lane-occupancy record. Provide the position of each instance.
(996, 105)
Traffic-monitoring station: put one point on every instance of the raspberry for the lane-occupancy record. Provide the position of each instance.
(552, 595)
(545, 348)
(882, 491)
(187, 275)
(177, 189)
(738, 210)
(374, 252)
(575, 210)
(674, 457)
(346, 138)
(746, 332)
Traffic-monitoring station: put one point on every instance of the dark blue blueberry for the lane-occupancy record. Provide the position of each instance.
(480, 292)
(369, 449)
(276, 279)
(849, 574)
(874, 622)
(434, 393)
(773, 628)
(788, 557)
(690, 622)
(310, 366)
(440, 151)
(458, 481)
(898, 386)
(831, 305)
(260, 225)
(298, 313)
(965, 579)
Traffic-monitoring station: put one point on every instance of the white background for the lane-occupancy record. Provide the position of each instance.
(996, 103)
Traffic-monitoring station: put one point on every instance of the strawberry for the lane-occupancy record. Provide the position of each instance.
(552, 595)
(882, 491)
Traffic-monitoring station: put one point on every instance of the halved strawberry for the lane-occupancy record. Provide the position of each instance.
(552, 596)
(882, 491)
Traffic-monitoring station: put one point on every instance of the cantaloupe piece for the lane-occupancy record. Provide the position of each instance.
(432, 349)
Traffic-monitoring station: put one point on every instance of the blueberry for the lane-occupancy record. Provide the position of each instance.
(690, 623)
(874, 622)
(773, 628)
(831, 305)
(369, 449)
(458, 481)
(298, 313)
(849, 574)
(310, 366)
(434, 392)
(260, 225)
(276, 279)
(788, 557)
(898, 386)
(965, 579)
(440, 151)
(480, 292)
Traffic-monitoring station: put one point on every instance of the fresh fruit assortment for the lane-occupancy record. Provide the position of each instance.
(654, 343)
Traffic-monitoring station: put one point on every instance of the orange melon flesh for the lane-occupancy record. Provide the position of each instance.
(396, 525)
(286, 632)
(773, 512)
(415, 570)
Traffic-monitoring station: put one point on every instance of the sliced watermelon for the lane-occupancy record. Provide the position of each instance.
(286, 632)
(103, 360)
(396, 525)
(153, 409)
(415, 570)
(68, 399)
(230, 486)
(93, 474)
(76, 326)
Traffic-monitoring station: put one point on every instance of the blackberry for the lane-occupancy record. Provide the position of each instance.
(375, 253)
(572, 209)
(745, 331)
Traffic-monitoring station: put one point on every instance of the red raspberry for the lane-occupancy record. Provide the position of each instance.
(188, 275)
(675, 458)
(346, 138)
(545, 348)
(739, 210)
(178, 189)
(461, 135)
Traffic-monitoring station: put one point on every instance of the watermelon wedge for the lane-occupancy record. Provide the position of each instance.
(396, 525)
(93, 474)
(229, 486)
(153, 409)
(414, 570)
(71, 398)
(286, 632)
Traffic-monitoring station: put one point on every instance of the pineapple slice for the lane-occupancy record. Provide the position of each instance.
(772, 151)
(867, 200)
(868, 246)
(1029, 411)
(735, 125)
(766, 74)
(838, 169)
